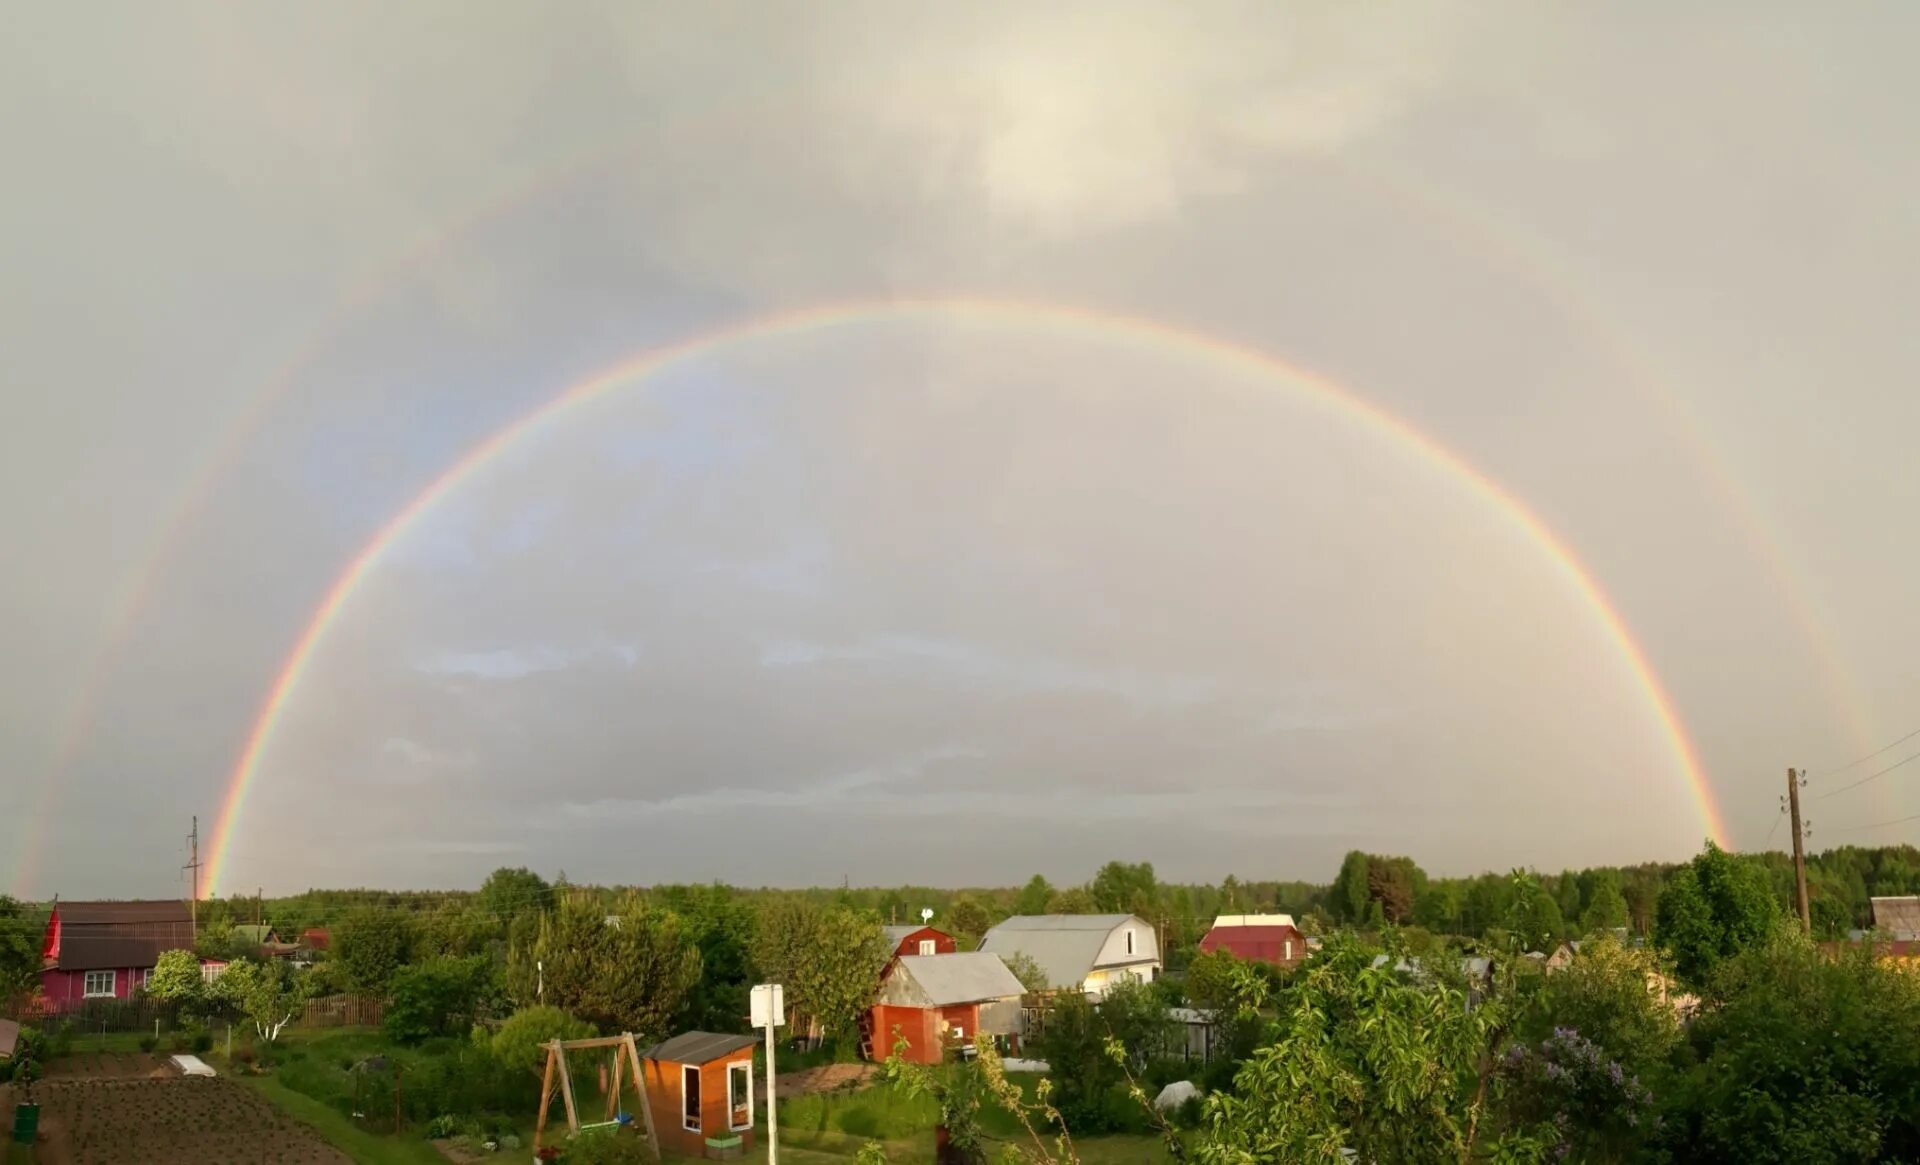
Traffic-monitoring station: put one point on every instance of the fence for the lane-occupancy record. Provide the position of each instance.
(100, 1016)
(341, 1011)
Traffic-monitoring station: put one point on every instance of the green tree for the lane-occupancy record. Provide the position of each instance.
(1534, 915)
(967, 918)
(1126, 888)
(720, 923)
(1804, 1058)
(1606, 907)
(626, 968)
(521, 1041)
(438, 997)
(368, 946)
(1614, 996)
(20, 929)
(510, 892)
(1372, 1062)
(828, 959)
(1034, 897)
(263, 992)
(176, 977)
(1348, 898)
(1713, 908)
(1073, 900)
(1026, 969)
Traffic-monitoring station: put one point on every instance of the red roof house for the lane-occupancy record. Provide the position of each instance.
(1266, 938)
(103, 950)
(919, 940)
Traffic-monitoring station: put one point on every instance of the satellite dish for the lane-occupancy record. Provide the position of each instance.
(926, 914)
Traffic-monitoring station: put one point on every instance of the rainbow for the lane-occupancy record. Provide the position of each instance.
(1070, 320)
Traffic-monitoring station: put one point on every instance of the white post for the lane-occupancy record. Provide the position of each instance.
(767, 1008)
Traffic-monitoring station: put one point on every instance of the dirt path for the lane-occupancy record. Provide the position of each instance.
(825, 1078)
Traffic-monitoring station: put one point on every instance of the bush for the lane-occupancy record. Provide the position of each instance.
(202, 1042)
(518, 1042)
(149, 1043)
(608, 1147)
(437, 997)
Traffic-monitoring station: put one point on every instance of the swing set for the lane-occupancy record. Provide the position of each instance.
(624, 1059)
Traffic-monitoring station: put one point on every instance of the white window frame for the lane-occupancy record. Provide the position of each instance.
(739, 1067)
(211, 971)
(959, 1033)
(695, 1069)
(86, 985)
(1287, 950)
(146, 976)
(928, 946)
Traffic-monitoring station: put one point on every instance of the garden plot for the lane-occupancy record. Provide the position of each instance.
(166, 1121)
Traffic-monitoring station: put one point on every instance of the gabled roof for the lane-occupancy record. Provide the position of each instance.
(132, 911)
(967, 977)
(1897, 916)
(1067, 946)
(253, 934)
(1254, 920)
(697, 1047)
(105, 952)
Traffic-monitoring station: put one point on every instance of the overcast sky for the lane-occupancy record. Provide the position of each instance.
(933, 596)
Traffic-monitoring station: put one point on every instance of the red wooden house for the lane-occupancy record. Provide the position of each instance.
(103, 950)
(929, 1001)
(919, 940)
(1266, 938)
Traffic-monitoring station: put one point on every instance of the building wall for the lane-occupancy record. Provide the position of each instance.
(1146, 945)
(67, 989)
(664, 1096)
(919, 1026)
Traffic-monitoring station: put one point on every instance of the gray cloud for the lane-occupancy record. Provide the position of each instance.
(1048, 597)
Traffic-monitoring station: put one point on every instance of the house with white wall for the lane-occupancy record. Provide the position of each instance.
(1090, 952)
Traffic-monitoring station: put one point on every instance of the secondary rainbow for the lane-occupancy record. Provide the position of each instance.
(1013, 313)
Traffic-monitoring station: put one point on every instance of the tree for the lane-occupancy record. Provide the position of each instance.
(1612, 995)
(1534, 916)
(627, 969)
(967, 917)
(521, 1041)
(262, 992)
(1367, 1061)
(1026, 969)
(176, 978)
(442, 996)
(1034, 897)
(1713, 908)
(1123, 888)
(510, 892)
(829, 960)
(20, 929)
(1390, 882)
(1606, 907)
(1073, 900)
(1348, 897)
(369, 945)
(1804, 1058)
(720, 923)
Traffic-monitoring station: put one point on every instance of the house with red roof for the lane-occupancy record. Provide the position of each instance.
(1266, 938)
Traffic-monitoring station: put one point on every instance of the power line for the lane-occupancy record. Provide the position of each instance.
(1877, 824)
(1876, 752)
(1873, 776)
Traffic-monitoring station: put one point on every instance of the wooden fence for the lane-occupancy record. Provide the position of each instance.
(341, 1011)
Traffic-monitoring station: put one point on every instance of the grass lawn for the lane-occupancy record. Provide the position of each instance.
(339, 1131)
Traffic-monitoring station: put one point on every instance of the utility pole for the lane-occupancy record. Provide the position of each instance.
(193, 864)
(1794, 781)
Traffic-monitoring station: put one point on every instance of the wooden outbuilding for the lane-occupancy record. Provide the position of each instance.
(929, 1001)
(700, 1086)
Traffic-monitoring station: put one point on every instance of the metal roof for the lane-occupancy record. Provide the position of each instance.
(110, 952)
(1253, 920)
(967, 977)
(697, 1047)
(1899, 916)
(167, 910)
(1066, 946)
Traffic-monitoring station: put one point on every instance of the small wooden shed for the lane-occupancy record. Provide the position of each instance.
(700, 1086)
(927, 1000)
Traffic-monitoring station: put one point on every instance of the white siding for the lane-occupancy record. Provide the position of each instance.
(1146, 945)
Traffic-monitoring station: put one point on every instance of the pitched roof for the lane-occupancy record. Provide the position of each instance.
(1898, 916)
(252, 934)
(89, 952)
(697, 1047)
(1067, 946)
(164, 910)
(1272, 944)
(967, 977)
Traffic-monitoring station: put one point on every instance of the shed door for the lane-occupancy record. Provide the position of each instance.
(690, 1097)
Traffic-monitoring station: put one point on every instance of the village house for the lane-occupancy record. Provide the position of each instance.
(919, 940)
(1265, 938)
(104, 950)
(1897, 918)
(1088, 952)
(932, 1001)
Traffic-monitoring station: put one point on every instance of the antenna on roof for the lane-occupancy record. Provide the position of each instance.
(926, 914)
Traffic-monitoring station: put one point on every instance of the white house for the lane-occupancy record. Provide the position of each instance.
(1087, 951)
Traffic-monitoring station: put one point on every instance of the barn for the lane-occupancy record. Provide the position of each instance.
(1266, 938)
(700, 1087)
(928, 1000)
(919, 940)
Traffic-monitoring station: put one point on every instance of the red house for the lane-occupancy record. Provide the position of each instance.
(919, 940)
(103, 950)
(931, 1000)
(1267, 938)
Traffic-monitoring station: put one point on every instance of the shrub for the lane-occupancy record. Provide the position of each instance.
(437, 997)
(202, 1041)
(518, 1042)
(608, 1147)
(149, 1043)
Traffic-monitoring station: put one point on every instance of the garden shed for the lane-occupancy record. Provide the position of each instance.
(925, 999)
(700, 1086)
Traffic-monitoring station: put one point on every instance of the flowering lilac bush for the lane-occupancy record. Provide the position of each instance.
(1598, 1110)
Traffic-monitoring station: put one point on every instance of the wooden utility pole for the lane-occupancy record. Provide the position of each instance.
(1799, 853)
(193, 865)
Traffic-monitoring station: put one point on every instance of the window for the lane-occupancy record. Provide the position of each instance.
(690, 1097)
(926, 946)
(146, 976)
(98, 984)
(959, 1033)
(1129, 941)
(740, 1095)
(1287, 951)
(211, 971)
